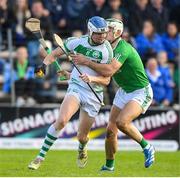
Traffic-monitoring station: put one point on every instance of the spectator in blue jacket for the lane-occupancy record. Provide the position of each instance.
(162, 89)
(170, 41)
(164, 67)
(148, 43)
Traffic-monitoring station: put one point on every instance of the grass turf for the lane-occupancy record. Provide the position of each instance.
(13, 163)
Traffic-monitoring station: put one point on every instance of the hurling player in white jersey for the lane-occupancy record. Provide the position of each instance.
(94, 47)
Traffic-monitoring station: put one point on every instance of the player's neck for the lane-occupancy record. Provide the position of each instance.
(115, 42)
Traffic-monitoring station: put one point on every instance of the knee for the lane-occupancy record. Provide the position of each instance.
(122, 125)
(111, 132)
(83, 138)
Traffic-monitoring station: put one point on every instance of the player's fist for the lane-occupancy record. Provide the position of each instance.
(86, 78)
(40, 71)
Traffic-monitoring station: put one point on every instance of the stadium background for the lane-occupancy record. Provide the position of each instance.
(29, 105)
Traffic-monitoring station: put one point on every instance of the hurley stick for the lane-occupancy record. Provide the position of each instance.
(61, 45)
(33, 25)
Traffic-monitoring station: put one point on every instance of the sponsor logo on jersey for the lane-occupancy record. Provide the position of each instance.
(96, 54)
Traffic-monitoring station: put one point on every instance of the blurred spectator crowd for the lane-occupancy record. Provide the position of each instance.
(151, 26)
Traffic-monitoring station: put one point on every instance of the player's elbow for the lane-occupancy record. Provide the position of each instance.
(108, 73)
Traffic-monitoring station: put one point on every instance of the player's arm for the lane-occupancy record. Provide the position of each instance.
(50, 58)
(69, 46)
(95, 79)
(40, 71)
(107, 70)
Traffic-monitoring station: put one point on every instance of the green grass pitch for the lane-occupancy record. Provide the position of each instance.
(13, 163)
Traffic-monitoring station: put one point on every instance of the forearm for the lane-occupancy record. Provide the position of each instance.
(102, 69)
(50, 58)
(100, 80)
(107, 70)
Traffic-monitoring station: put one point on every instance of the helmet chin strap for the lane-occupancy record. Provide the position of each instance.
(93, 43)
(117, 38)
(114, 40)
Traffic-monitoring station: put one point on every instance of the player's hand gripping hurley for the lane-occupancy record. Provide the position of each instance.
(61, 45)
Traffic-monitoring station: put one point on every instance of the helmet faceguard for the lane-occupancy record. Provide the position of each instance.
(116, 25)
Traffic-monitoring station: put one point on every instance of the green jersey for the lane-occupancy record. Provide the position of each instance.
(131, 76)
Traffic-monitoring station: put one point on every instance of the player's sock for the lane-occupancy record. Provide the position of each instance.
(82, 146)
(109, 166)
(143, 143)
(51, 136)
(110, 163)
(82, 155)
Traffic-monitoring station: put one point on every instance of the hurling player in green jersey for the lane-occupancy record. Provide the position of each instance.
(133, 97)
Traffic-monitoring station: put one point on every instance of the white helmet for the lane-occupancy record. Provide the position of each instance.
(97, 24)
(115, 24)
